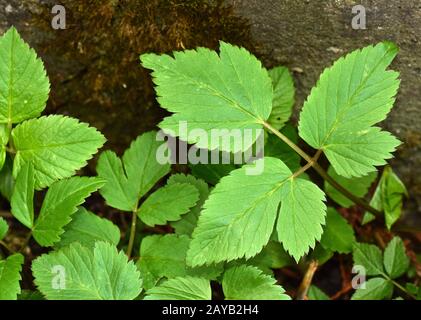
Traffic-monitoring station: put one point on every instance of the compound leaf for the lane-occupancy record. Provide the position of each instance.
(349, 98)
(250, 283)
(60, 203)
(206, 90)
(57, 146)
(24, 85)
(181, 288)
(22, 202)
(10, 276)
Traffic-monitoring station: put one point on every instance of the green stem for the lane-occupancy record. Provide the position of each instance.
(132, 232)
(313, 163)
(403, 289)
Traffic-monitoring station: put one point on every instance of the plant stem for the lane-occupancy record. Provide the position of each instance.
(306, 282)
(403, 289)
(132, 232)
(313, 163)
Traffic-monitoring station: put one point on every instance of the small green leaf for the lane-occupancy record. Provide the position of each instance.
(99, 273)
(396, 262)
(10, 276)
(338, 234)
(24, 84)
(230, 90)
(168, 203)
(4, 228)
(88, 228)
(314, 293)
(60, 203)
(375, 289)
(249, 283)
(57, 146)
(273, 256)
(130, 179)
(370, 257)
(357, 186)
(283, 96)
(188, 222)
(181, 288)
(22, 202)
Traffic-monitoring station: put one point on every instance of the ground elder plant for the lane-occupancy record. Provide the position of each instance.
(207, 223)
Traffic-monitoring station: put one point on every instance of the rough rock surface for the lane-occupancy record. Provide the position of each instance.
(95, 75)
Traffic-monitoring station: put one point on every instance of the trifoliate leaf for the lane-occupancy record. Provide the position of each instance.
(87, 228)
(283, 96)
(338, 234)
(207, 91)
(168, 203)
(57, 146)
(370, 257)
(60, 203)
(23, 196)
(188, 222)
(79, 273)
(7, 182)
(357, 186)
(165, 256)
(181, 288)
(349, 98)
(239, 215)
(24, 84)
(375, 289)
(4, 228)
(301, 216)
(396, 262)
(130, 179)
(314, 293)
(250, 283)
(10, 276)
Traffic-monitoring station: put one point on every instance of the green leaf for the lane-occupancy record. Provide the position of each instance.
(283, 96)
(357, 186)
(230, 91)
(24, 85)
(168, 203)
(10, 276)
(338, 234)
(320, 254)
(4, 228)
(249, 283)
(130, 179)
(273, 256)
(22, 202)
(349, 98)
(181, 288)
(301, 216)
(375, 289)
(7, 182)
(57, 146)
(211, 173)
(314, 293)
(31, 295)
(60, 203)
(4, 138)
(370, 257)
(99, 273)
(396, 262)
(165, 256)
(87, 228)
(188, 222)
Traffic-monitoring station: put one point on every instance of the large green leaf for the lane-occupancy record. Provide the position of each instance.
(249, 283)
(79, 273)
(132, 177)
(396, 262)
(57, 146)
(168, 203)
(349, 98)
(24, 85)
(181, 288)
(207, 91)
(357, 186)
(338, 234)
(60, 204)
(10, 276)
(88, 228)
(375, 289)
(22, 202)
(283, 96)
(165, 256)
(370, 257)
